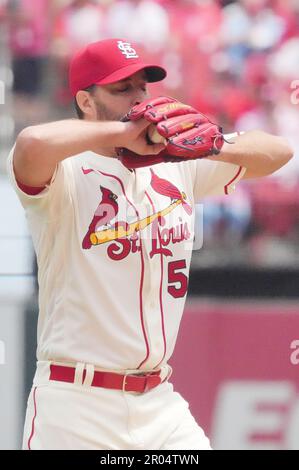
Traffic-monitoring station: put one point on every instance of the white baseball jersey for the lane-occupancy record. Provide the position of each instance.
(113, 248)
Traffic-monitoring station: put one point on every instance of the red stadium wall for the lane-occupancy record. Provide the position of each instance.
(238, 366)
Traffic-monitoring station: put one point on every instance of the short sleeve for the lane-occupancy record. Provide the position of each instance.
(57, 187)
(215, 178)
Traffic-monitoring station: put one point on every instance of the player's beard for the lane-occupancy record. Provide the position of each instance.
(106, 114)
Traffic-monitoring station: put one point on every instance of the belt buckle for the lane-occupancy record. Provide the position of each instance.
(124, 382)
(128, 374)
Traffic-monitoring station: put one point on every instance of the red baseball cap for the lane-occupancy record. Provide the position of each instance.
(108, 61)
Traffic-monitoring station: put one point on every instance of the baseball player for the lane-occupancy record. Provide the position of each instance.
(112, 221)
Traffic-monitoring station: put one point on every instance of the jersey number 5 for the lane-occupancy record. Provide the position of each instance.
(175, 276)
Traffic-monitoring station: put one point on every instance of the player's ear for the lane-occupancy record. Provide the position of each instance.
(86, 104)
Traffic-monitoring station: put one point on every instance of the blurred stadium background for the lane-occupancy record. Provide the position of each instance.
(238, 61)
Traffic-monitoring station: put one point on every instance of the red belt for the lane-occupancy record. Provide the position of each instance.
(128, 383)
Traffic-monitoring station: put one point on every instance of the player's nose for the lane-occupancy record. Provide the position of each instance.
(140, 96)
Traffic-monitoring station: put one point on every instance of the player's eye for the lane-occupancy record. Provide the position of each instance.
(123, 90)
(129, 87)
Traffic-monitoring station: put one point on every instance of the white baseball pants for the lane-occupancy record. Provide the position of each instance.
(75, 416)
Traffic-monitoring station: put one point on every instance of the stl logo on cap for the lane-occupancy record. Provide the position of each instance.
(127, 50)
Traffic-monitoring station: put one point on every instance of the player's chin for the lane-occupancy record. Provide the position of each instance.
(118, 117)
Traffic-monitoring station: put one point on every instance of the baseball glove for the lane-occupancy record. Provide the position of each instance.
(189, 134)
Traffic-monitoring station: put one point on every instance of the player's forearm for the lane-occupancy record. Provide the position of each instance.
(56, 141)
(40, 148)
(259, 152)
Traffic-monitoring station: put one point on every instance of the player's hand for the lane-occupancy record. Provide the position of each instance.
(135, 138)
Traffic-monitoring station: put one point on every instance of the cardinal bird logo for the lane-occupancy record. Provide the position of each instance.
(106, 211)
(168, 189)
(105, 227)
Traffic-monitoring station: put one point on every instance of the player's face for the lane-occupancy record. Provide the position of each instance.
(113, 101)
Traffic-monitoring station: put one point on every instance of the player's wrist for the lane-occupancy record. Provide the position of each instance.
(117, 134)
(227, 152)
